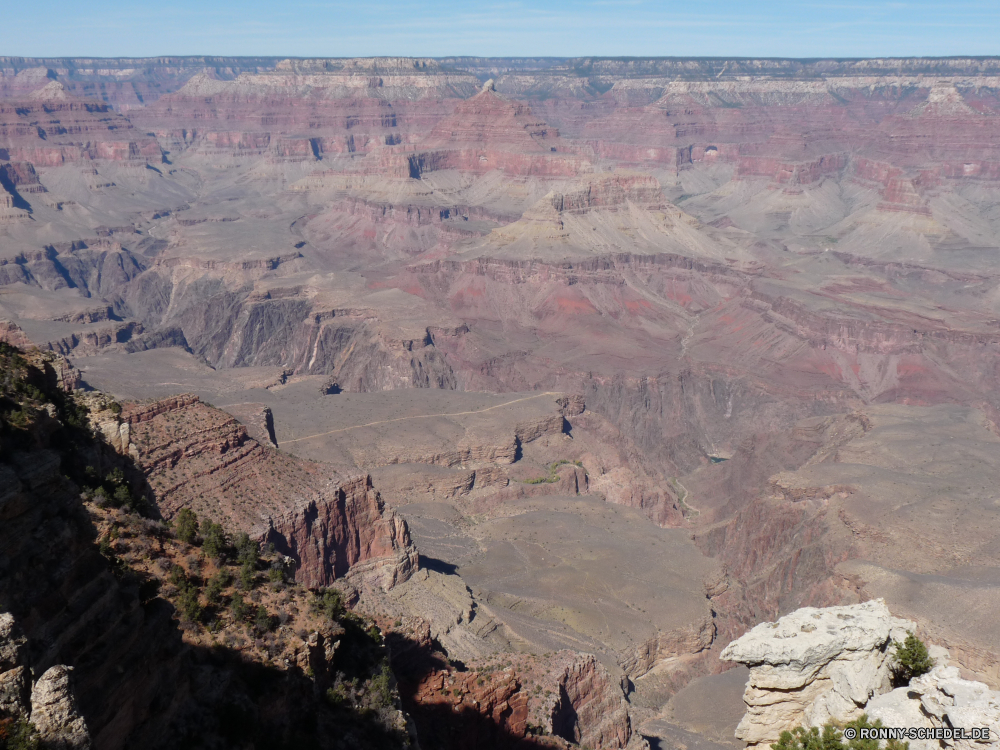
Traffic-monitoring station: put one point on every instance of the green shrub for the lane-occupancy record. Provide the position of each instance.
(213, 538)
(262, 620)
(831, 738)
(247, 550)
(213, 591)
(122, 497)
(187, 603)
(239, 608)
(380, 687)
(248, 576)
(329, 604)
(18, 734)
(912, 659)
(186, 526)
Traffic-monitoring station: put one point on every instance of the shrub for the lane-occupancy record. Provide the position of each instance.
(188, 603)
(186, 526)
(912, 659)
(18, 734)
(832, 738)
(239, 608)
(214, 540)
(262, 620)
(213, 591)
(248, 575)
(247, 550)
(381, 687)
(329, 604)
(121, 497)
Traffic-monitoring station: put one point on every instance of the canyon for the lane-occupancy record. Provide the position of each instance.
(565, 373)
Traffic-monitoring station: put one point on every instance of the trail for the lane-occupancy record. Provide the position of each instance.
(685, 500)
(421, 416)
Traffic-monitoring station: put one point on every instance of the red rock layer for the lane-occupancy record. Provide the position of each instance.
(50, 132)
(198, 457)
(515, 701)
(484, 133)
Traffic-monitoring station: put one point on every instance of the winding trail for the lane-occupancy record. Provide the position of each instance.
(422, 416)
(687, 494)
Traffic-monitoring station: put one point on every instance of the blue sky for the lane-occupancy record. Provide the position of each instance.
(435, 28)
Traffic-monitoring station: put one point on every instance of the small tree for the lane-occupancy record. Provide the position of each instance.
(213, 591)
(187, 525)
(247, 550)
(248, 575)
(239, 608)
(329, 604)
(262, 620)
(214, 540)
(912, 658)
(188, 603)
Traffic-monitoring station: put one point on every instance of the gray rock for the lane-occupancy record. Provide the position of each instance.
(15, 684)
(54, 712)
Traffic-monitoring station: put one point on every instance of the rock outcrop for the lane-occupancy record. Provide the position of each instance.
(198, 457)
(55, 714)
(941, 699)
(49, 704)
(813, 666)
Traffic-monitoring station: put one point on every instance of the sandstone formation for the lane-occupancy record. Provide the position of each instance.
(815, 666)
(197, 457)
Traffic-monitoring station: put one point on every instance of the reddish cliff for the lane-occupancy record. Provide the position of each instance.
(51, 128)
(198, 457)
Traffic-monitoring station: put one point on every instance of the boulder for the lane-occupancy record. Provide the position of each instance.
(54, 712)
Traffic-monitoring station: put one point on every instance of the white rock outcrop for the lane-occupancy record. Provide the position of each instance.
(941, 698)
(813, 666)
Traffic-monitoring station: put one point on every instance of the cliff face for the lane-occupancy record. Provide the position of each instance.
(50, 128)
(197, 457)
(95, 658)
(63, 596)
(558, 700)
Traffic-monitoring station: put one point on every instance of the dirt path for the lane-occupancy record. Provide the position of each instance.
(421, 416)
(685, 500)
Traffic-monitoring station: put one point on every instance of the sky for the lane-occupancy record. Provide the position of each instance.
(556, 28)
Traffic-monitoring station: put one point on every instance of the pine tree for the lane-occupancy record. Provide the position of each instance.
(912, 659)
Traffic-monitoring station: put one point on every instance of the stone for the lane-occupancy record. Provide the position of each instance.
(941, 698)
(15, 685)
(54, 712)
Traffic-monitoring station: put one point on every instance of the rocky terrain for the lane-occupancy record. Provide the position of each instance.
(838, 664)
(576, 369)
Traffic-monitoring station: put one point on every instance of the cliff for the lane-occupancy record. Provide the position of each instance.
(194, 456)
